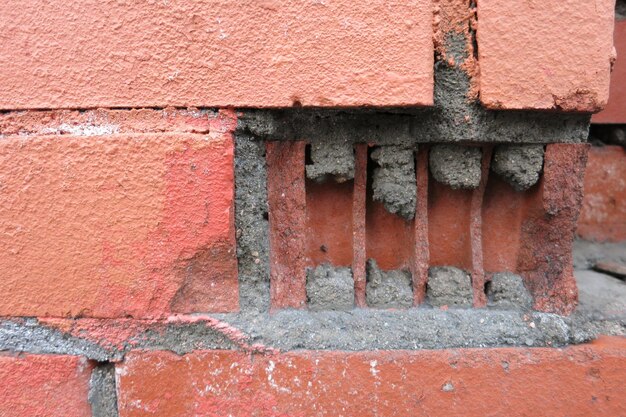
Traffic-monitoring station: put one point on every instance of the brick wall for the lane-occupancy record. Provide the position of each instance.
(302, 208)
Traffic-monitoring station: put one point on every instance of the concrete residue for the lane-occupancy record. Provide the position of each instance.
(330, 288)
(456, 166)
(519, 165)
(507, 291)
(331, 159)
(251, 223)
(387, 289)
(449, 286)
(102, 391)
(394, 182)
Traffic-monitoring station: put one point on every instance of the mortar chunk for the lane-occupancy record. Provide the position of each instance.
(387, 289)
(455, 165)
(506, 291)
(394, 182)
(330, 288)
(519, 165)
(331, 159)
(449, 286)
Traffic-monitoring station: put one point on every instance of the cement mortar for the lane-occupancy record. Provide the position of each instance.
(330, 288)
(456, 166)
(394, 182)
(387, 289)
(449, 286)
(102, 391)
(251, 223)
(519, 165)
(506, 291)
(331, 159)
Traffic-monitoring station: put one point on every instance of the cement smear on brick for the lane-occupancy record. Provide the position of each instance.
(456, 166)
(387, 289)
(393, 181)
(519, 165)
(330, 288)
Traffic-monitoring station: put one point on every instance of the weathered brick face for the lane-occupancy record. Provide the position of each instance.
(44, 385)
(400, 383)
(118, 224)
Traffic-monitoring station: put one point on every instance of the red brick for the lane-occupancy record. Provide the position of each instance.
(286, 197)
(359, 235)
(547, 233)
(44, 385)
(421, 248)
(603, 215)
(106, 53)
(122, 225)
(615, 109)
(476, 231)
(549, 54)
(577, 381)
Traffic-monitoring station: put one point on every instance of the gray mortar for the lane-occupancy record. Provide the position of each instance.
(519, 165)
(28, 335)
(331, 159)
(393, 181)
(506, 291)
(456, 166)
(449, 286)
(387, 289)
(251, 223)
(330, 288)
(102, 391)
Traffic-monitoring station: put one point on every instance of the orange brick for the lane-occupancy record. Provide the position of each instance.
(44, 385)
(548, 54)
(577, 381)
(122, 225)
(106, 53)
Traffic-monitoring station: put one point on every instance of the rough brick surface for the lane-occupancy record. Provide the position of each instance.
(545, 257)
(118, 225)
(614, 111)
(215, 53)
(577, 381)
(603, 215)
(50, 386)
(548, 54)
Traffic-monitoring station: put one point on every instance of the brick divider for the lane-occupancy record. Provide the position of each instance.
(359, 257)
(287, 217)
(421, 248)
(476, 234)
